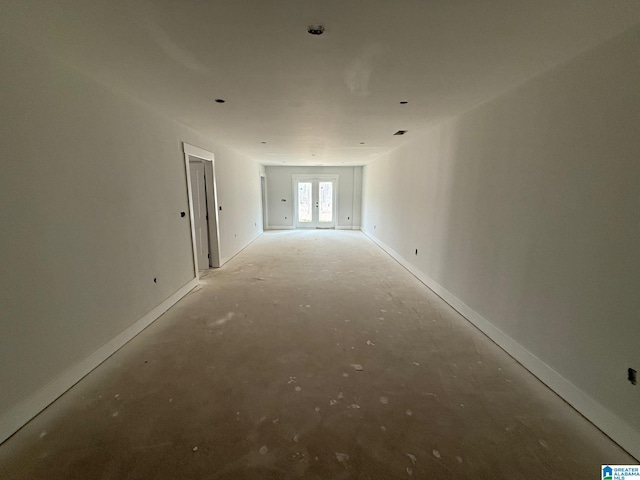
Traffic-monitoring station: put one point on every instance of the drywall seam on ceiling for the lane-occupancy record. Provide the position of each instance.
(19, 415)
(609, 423)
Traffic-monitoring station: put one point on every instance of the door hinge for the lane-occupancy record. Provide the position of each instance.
(207, 217)
(208, 255)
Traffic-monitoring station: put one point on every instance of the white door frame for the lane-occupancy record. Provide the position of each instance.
(212, 203)
(200, 202)
(296, 177)
(263, 193)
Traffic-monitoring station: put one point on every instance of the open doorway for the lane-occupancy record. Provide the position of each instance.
(203, 207)
(200, 212)
(263, 193)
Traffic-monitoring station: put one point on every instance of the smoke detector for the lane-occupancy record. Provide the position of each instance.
(315, 29)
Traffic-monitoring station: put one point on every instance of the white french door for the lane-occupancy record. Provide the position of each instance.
(315, 202)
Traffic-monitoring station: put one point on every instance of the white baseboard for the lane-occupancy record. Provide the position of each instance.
(19, 415)
(612, 425)
(229, 257)
(284, 227)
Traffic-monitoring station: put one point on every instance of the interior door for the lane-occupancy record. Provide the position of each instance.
(315, 203)
(199, 199)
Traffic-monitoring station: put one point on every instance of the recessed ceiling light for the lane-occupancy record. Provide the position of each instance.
(220, 100)
(263, 142)
(361, 143)
(404, 102)
(401, 132)
(315, 29)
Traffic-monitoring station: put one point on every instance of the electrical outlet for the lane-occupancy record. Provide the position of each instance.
(632, 376)
(416, 251)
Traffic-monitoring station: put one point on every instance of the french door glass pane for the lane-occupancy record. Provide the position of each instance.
(304, 202)
(326, 202)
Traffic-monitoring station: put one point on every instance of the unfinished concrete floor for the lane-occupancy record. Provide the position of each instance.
(251, 376)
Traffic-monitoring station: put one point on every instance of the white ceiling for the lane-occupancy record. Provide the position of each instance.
(314, 99)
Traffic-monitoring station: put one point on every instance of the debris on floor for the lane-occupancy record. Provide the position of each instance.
(224, 319)
(253, 372)
(342, 457)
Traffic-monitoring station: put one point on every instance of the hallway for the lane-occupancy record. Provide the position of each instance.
(311, 354)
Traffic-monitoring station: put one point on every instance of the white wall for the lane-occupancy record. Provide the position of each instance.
(280, 186)
(525, 213)
(91, 189)
(239, 195)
